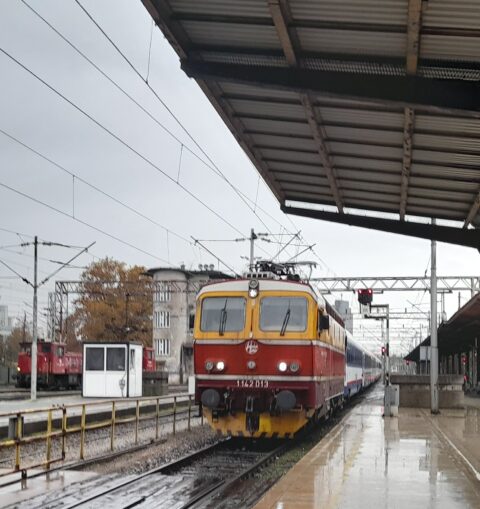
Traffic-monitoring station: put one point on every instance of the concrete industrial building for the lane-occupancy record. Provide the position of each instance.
(343, 308)
(174, 315)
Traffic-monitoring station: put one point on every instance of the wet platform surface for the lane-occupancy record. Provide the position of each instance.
(413, 461)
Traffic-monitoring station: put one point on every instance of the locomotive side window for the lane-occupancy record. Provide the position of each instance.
(94, 359)
(115, 359)
(60, 351)
(283, 314)
(223, 314)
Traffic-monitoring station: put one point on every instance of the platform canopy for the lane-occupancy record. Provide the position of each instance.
(458, 334)
(353, 105)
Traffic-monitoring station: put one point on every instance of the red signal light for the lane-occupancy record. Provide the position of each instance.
(365, 296)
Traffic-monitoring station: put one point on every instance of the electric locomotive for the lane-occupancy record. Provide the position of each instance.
(269, 354)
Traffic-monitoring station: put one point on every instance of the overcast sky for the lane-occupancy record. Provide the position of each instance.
(139, 176)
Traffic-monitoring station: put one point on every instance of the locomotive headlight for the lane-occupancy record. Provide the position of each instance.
(18, 368)
(294, 367)
(282, 366)
(209, 365)
(253, 287)
(220, 366)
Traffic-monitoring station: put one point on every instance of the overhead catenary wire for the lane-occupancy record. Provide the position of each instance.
(215, 168)
(212, 164)
(92, 186)
(101, 191)
(129, 96)
(97, 229)
(118, 138)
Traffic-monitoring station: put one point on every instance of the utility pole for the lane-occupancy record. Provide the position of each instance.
(33, 379)
(388, 394)
(24, 328)
(127, 297)
(433, 330)
(253, 238)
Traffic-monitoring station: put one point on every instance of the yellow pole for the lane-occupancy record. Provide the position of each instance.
(112, 432)
(64, 431)
(49, 438)
(137, 415)
(17, 441)
(174, 414)
(82, 433)
(157, 415)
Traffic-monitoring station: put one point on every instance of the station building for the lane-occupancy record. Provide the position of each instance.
(174, 316)
(458, 342)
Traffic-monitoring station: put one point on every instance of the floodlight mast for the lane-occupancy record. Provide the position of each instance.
(433, 330)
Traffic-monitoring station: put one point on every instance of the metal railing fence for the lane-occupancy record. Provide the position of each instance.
(59, 425)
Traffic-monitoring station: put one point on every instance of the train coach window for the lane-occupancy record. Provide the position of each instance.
(115, 359)
(94, 359)
(283, 314)
(223, 314)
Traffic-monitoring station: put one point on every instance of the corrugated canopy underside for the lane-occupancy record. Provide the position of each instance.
(369, 154)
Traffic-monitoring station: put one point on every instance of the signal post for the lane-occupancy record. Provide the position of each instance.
(379, 312)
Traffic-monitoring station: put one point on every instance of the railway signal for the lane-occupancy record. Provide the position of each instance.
(365, 296)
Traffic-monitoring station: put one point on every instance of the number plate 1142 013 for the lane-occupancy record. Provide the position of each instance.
(253, 384)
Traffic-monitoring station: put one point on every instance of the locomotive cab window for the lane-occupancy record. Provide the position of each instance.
(283, 314)
(223, 314)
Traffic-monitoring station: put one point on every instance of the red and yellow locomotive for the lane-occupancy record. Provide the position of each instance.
(269, 354)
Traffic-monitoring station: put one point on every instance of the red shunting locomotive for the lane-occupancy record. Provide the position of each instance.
(56, 368)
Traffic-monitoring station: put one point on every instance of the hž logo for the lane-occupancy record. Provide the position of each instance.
(251, 347)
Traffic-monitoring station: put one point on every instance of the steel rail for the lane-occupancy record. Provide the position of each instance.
(158, 470)
(213, 492)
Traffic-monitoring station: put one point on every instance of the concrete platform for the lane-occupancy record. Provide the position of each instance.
(414, 461)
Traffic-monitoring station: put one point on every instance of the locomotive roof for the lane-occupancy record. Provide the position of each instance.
(241, 285)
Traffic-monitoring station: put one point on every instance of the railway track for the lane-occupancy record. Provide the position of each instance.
(229, 474)
(191, 480)
(98, 436)
(22, 394)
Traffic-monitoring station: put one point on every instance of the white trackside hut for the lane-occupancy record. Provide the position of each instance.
(112, 370)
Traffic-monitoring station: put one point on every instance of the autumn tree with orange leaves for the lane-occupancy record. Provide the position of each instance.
(115, 303)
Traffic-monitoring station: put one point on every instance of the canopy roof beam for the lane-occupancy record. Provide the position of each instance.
(449, 234)
(460, 97)
(413, 47)
(281, 17)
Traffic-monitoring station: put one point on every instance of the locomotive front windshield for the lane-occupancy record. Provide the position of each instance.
(283, 314)
(223, 314)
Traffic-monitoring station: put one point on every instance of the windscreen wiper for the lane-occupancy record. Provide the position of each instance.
(223, 319)
(285, 322)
